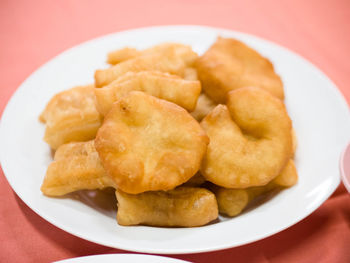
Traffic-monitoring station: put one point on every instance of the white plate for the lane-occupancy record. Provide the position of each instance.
(124, 258)
(320, 116)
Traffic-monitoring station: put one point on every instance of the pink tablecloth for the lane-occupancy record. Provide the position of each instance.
(32, 32)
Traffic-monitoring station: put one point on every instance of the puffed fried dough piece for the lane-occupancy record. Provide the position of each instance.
(232, 202)
(229, 64)
(182, 207)
(203, 107)
(63, 98)
(250, 139)
(162, 85)
(172, 60)
(71, 115)
(76, 166)
(121, 55)
(149, 144)
(127, 53)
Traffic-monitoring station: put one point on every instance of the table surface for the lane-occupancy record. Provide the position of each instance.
(32, 32)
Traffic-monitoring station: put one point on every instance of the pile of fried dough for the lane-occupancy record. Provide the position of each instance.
(181, 137)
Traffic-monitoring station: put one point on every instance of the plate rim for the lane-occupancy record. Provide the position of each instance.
(117, 255)
(338, 94)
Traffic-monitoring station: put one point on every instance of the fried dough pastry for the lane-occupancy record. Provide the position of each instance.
(232, 202)
(172, 60)
(127, 53)
(122, 54)
(76, 166)
(182, 207)
(250, 139)
(159, 84)
(71, 115)
(229, 64)
(203, 107)
(149, 144)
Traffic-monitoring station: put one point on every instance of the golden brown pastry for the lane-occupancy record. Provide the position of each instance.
(173, 60)
(250, 139)
(230, 64)
(122, 54)
(183, 206)
(149, 144)
(159, 84)
(231, 202)
(70, 116)
(127, 53)
(76, 166)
